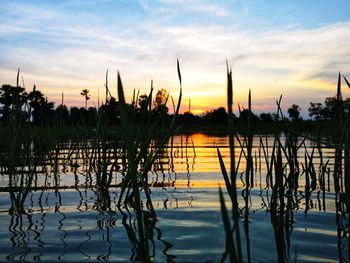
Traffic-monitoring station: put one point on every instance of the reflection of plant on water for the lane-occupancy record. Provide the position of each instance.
(304, 187)
(30, 228)
(280, 198)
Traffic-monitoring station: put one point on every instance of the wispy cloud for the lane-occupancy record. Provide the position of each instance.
(61, 49)
(191, 6)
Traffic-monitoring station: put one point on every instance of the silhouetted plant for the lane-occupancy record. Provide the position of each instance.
(86, 95)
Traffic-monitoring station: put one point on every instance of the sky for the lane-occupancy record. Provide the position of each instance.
(295, 48)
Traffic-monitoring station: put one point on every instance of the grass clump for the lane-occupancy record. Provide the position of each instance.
(142, 147)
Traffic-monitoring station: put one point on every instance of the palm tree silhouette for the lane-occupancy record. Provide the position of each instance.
(86, 95)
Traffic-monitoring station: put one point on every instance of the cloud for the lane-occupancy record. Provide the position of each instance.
(64, 50)
(194, 6)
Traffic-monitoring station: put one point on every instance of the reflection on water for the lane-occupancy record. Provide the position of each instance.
(59, 209)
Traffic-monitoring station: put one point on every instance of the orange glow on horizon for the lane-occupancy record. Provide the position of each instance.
(197, 111)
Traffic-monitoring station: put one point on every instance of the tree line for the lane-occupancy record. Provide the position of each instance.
(36, 109)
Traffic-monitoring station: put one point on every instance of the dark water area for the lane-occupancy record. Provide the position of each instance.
(66, 218)
(67, 226)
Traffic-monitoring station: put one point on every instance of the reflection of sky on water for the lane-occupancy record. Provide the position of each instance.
(82, 225)
(194, 156)
(69, 226)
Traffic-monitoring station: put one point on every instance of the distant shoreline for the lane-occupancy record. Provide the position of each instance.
(322, 127)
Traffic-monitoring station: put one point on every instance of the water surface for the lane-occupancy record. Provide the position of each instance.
(75, 222)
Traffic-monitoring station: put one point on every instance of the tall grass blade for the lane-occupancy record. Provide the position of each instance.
(179, 72)
(17, 79)
(226, 178)
(347, 82)
(230, 126)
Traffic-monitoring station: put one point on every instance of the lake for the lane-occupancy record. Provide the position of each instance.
(65, 217)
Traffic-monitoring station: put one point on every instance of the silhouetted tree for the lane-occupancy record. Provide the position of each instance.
(142, 108)
(12, 100)
(316, 111)
(326, 111)
(266, 117)
(86, 95)
(294, 112)
(244, 115)
(110, 111)
(218, 116)
(49, 112)
(143, 102)
(75, 117)
(40, 109)
(189, 118)
(83, 116)
(62, 115)
(92, 116)
(160, 101)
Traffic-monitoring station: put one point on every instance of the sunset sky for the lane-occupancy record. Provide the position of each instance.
(294, 48)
